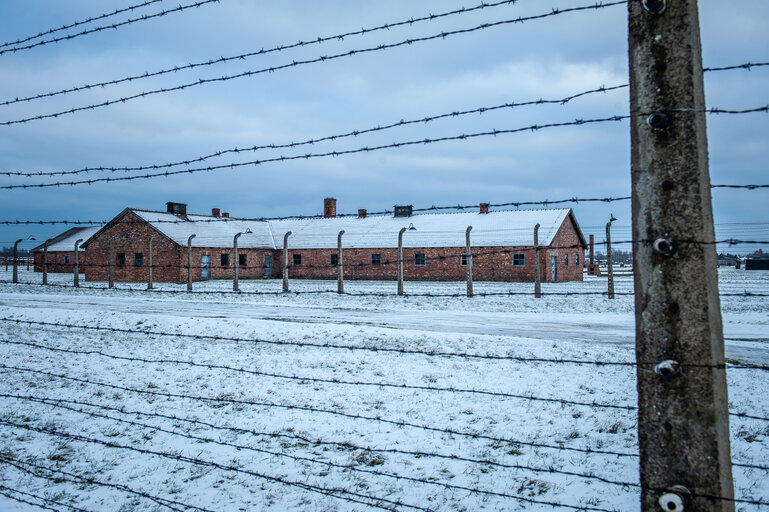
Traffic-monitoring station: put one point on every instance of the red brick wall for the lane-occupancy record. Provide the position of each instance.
(55, 260)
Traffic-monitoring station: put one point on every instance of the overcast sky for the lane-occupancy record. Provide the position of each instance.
(551, 58)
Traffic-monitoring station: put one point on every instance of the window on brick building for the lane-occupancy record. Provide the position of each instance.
(566, 260)
(242, 260)
(376, 259)
(121, 259)
(576, 259)
(138, 259)
(225, 260)
(519, 259)
(419, 259)
(463, 260)
(66, 258)
(297, 259)
(334, 260)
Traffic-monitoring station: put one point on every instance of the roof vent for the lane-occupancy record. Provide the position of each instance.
(403, 211)
(176, 208)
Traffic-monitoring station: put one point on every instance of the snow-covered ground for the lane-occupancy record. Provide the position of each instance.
(222, 401)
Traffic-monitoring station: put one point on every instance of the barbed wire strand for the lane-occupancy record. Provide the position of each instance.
(325, 58)
(107, 27)
(78, 23)
(4, 490)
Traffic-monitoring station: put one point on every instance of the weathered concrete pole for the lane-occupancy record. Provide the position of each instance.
(469, 261)
(77, 263)
(111, 271)
(15, 260)
(339, 263)
(189, 263)
(45, 261)
(609, 266)
(683, 416)
(149, 267)
(400, 261)
(285, 261)
(537, 274)
(235, 263)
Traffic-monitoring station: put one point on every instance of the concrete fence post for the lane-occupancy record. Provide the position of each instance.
(77, 263)
(235, 262)
(683, 415)
(111, 264)
(537, 273)
(340, 263)
(285, 261)
(15, 260)
(609, 266)
(469, 262)
(400, 261)
(149, 266)
(189, 263)
(45, 261)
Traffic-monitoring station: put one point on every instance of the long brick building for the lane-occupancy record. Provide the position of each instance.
(433, 245)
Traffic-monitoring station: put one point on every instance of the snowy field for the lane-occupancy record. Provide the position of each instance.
(166, 400)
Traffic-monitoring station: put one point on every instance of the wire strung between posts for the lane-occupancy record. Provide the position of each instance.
(367, 149)
(379, 419)
(336, 137)
(280, 48)
(592, 405)
(747, 65)
(516, 204)
(24, 466)
(58, 402)
(106, 27)
(83, 22)
(335, 492)
(324, 58)
(328, 463)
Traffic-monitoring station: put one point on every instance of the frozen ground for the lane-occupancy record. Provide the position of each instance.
(297, 425)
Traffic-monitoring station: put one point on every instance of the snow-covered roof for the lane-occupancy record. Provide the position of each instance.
(66, 241)
(494, 229)
(210, 231)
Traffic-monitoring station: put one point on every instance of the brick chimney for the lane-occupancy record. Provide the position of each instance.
(484, 208)
(226, 214)
(362, 213)
(329, 208)
(215, 212)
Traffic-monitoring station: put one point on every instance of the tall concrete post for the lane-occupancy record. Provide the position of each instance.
(235, 287)
(149, 267)
(45, 261)
(537, 273)
(400, 261)
(15, 260)
(469, 262)
(340, 263)
(77, 262)
(111, 264)
(683, 416)
(189, 263)
(609, 266)
(285, 261)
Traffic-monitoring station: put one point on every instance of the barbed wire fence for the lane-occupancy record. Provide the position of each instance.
(58, 340)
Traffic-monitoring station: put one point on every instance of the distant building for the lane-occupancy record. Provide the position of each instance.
(433, 245)
(61, 250)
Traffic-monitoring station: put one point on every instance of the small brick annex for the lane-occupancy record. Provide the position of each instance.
(561, 260)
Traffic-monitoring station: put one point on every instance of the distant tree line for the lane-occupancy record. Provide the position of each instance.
(7, 252)
(617, 256)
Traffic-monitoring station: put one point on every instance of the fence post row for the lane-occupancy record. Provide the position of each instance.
(189, 263)
(285, 261)
(469, 262)
(339, 263)
(400, 261)
(77, 263)
(235, 287)
(609, 265)
(683, 415)
(149, 266)
(537, 276)
(15, 260)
